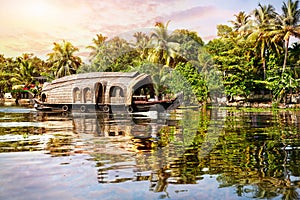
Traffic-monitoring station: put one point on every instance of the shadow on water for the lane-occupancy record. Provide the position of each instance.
(175, 155)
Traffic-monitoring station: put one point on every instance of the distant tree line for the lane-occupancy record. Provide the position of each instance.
(252, 56)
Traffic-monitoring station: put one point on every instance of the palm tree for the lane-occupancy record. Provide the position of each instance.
(25, 68)
(98, 43)
(264, 18)
(63, 60)
(142, 44)
(241, 22)
(288, 25)
(25, 72)
(165, 46)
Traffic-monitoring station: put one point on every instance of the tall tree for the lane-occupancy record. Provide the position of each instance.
(25, 72)
(142, 44)
(63, 60)
(263, 22)
(165, 46)
(98, 43)
(115, 55)
(241, 22)
(288, 25)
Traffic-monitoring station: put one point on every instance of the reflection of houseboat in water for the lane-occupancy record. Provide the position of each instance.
(118, 136)
(103, 91)
(107, 125)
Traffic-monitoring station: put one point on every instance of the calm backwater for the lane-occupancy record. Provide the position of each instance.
(186, 154)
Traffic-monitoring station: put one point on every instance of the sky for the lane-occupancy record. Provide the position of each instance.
(32, 26)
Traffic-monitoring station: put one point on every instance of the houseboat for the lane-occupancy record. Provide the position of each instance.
(104, 92)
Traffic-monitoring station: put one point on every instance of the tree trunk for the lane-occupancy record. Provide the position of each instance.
(262, 53)
(285, 55)
(264, 67)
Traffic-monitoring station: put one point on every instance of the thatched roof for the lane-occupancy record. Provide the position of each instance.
(129, 81)
(92, 75)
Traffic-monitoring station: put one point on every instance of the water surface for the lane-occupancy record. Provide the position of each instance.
(186, 154)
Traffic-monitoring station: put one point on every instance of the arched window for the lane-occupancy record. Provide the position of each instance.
(116, 95)
(87, 95)
(116, 91)
(44, 97)
(76, 95)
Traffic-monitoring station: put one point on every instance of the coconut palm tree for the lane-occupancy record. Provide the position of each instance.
(25, 72)
(241, 22)
(98, 43)
(62, 59)
(142, 44)
(164, 45)
(288, 25)
(264, 19)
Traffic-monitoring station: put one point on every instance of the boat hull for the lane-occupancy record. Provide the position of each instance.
(159, 106)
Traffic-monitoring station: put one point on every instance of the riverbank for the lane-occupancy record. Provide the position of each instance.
(13, 102)
(263, 105)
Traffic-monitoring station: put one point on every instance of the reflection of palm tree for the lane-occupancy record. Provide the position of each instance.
(159, 181)
(290, 194)
(63, 60)
(288, 25)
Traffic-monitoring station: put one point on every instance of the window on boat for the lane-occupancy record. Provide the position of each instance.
(44, 97)
(87, 95)
(116, 94)
(99, 91)
(116, 91)
(76, 95)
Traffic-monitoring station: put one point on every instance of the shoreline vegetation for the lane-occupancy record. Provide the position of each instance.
(251, 63)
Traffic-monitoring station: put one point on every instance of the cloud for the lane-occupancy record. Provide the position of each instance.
(33, 25)
(64, 20)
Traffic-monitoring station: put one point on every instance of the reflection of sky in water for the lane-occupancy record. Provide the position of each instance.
(95, 157)
(15, 110)
(38, 176)
(20, 124)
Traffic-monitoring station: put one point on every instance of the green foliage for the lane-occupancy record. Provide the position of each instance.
(160, 76)
(62, 60)
(20, 71)
(189, 42)
(232, 58)
(114, 55)
(281, 85)
(194, 80)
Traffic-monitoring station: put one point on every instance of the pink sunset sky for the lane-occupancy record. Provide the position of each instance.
(31, 26)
